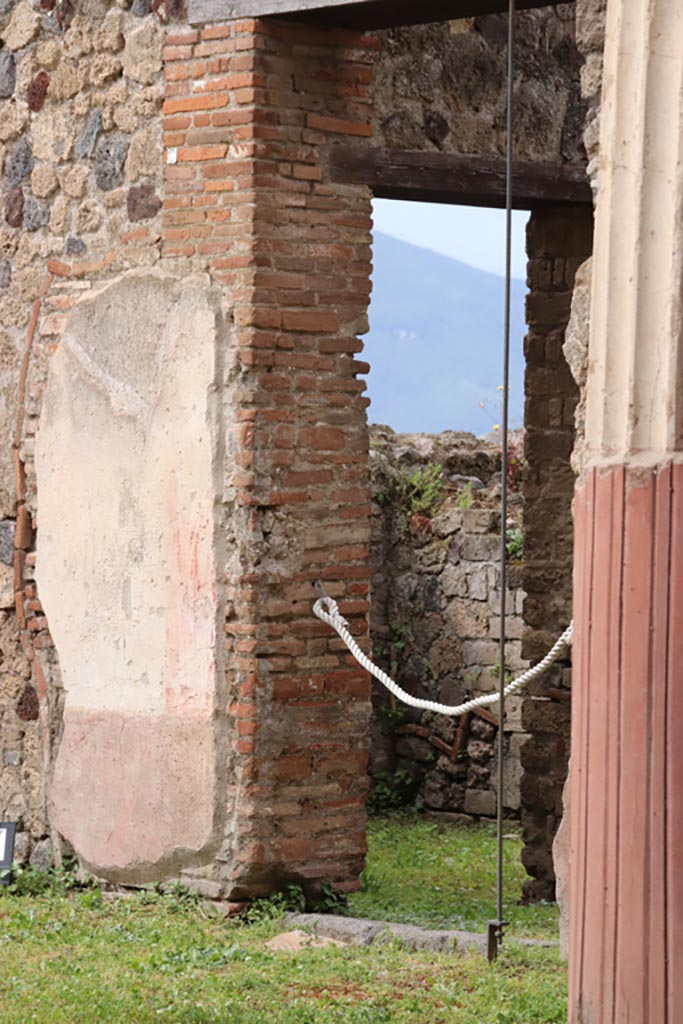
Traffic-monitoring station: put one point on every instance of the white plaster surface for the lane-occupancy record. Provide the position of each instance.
(127, 478)
(635, 383)
(129, 461)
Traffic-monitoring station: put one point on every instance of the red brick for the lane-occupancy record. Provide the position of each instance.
(247, 728)
(186, 103)
(307, 320)
(176, 52)
(23, 536)
(292, 768)
(217, 32)
(293, 850)
(323, 438)
(194, 154)
(225, 118)
(181, 38)
(338, 126)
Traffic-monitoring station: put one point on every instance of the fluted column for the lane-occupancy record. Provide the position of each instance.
(626, 931)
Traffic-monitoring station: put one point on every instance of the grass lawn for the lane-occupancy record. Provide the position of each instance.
(76, 958)
(444, 876)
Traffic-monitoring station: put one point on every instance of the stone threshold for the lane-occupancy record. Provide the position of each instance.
(357, 931)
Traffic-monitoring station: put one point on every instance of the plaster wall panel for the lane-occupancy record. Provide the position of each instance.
(129, 459)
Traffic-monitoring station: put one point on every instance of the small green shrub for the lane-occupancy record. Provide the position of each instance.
(464, 499)
(25, 880)
(419, 493)
(390, 792)
(179, 897)
(395, 714)
(290, 897)
(328, 901)
(514, 543)
(425, 490)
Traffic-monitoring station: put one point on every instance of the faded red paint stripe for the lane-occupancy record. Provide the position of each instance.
(626, 960)
(674, 755)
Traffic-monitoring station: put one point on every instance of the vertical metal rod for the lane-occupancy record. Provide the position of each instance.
(496, 929)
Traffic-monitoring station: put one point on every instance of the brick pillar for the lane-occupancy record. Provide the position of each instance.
(626, 934)
(558, 241)
(251, 110)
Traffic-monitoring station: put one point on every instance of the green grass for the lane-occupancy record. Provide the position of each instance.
(74, 958)
(444, 876)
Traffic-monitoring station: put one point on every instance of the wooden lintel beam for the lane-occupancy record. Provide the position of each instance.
(463, 180)
(364, 15)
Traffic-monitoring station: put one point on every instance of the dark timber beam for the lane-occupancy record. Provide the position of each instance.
(465, 180)
(364, 15)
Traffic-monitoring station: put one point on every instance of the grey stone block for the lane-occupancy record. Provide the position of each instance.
(480, 801)
(110, 156)
(41, 859)
(36, 214)
(18, 164)
(85, 144)
(8, 73)
(75, 247)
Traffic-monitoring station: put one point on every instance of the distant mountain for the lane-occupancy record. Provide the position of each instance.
(435, 345)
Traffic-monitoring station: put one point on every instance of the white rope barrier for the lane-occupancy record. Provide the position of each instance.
(327, 610)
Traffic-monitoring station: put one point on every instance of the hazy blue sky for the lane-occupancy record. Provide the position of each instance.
(473, 235)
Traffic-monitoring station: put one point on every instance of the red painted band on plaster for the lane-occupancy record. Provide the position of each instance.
(146, 782)
(627, 754)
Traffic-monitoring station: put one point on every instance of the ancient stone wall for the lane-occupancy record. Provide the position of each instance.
(135, 152)
(229, 179)
(558, 242)
(294, 251)
(442, 87)
(435, 618)
(80, 147)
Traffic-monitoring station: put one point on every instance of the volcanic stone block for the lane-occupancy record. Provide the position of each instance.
(14, 208)
(110, 157)
(7, 541)
(8, 73)
(142, 202)
(18, 164)
(36, 213)
(85, 144)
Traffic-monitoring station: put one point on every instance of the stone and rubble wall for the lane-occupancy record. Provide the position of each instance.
(591, 22)
(558, 242)
(435, 620)
(441, 87)
(136, 155)
(80, 149)
(294, 253)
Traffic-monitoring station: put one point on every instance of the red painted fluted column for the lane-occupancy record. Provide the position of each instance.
(626, 886)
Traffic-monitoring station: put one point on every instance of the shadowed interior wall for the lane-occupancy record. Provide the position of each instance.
(558, 242)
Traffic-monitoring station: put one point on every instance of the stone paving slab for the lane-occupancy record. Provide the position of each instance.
(357, 931)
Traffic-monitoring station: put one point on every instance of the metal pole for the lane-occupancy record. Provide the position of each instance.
(497, 927)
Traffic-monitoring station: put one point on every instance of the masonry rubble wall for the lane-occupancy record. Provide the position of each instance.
(80, 149)
(558, 243)
(128, 146)
(441, 87)
(137, 152)
(435, 621)
(591, 20)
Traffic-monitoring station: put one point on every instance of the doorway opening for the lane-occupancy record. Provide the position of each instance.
(435, 351)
